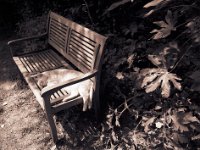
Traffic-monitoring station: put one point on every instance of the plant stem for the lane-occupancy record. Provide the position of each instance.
(185, 22)
(182, 55)
(86, 4)
(192, 5)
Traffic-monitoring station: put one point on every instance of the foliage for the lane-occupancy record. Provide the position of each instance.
(153, 78)
(150, 72)
(166, 27)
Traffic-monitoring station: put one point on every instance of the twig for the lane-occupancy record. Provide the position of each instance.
(137, 126)
(185, 22)
(86, 4)
(182, 55)
(180, 35)
(192, 5)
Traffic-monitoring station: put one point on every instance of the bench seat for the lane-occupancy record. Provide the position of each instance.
(37, 62)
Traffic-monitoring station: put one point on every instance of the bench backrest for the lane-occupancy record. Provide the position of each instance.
(81, 46)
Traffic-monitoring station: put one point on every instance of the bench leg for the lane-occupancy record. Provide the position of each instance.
(52, 127)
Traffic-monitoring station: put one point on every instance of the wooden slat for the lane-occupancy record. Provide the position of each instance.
(56, 45)
(78, 61)
(83, 42)
(80, 42)
(81, 55)
(57, 42)
(40, 63)
(57, 35)
(25, 65)
(59, 23)
(28, 63)
(57, 30)
(35, 63)
(82, 46)
(44, 61)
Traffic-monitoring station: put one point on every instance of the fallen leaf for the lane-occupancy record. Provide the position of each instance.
(183, 120)
(188, 118)
(178, 124)
(147, 124)
(180, 138)
(130, 60)
(196, 137)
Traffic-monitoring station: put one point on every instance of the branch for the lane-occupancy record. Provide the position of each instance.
(89, 15)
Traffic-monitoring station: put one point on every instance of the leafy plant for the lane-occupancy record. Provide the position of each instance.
(166, 27)
(154, 78)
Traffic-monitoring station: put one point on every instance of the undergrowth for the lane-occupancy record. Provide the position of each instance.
(151, 70)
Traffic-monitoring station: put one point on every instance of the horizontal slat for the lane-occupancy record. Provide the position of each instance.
(83, 59)
(77, 47)
(84, 55)
(79, 60)
(81, 45)
(62, 43)
(57, 35)
(89, 46)
(83, 38)
(56, 43)
(59, 26)
(81, 50)
(56, 29)
(56, 22)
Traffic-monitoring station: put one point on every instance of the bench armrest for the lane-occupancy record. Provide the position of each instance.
(26, 38)
(51, 89)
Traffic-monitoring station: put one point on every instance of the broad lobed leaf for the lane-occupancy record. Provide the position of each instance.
(156, 78)
(166, 27)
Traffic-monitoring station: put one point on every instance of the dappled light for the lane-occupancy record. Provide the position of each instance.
(119, 74)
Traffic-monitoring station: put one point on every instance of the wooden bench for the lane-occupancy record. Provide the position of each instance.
(70, 45)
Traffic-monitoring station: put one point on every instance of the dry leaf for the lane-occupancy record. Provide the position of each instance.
(166, 27)
(147, 123)
(114, 136)
(138, 138)
(160, 77)
(197, 137)
(182, 120)
(178, 124)
(130, 60)
(180, 138)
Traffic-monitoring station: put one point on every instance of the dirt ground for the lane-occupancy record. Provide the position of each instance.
(23, 124)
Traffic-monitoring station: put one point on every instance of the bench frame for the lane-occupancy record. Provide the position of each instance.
(58, 26)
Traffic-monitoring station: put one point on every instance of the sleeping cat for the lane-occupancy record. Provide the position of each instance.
(53, 77)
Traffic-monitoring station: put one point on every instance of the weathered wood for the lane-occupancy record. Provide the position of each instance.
(71, 42)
